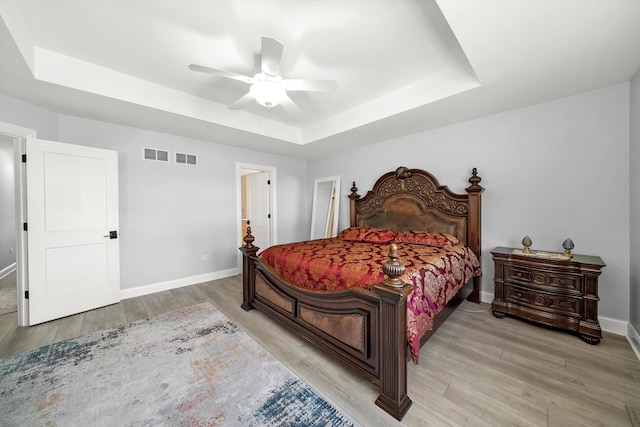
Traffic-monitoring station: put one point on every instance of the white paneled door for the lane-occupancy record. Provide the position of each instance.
(259, 208)
(72, 229)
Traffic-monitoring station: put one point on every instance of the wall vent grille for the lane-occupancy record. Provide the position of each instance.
(155, 154)
(186, 159)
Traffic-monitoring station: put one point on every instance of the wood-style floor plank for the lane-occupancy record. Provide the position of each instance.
(94, 320)
(43, 335)
(134, 309)
(487, 407)
(8, 321)
(115, 315)
(169, 301)
(634, 415)
(570, 413)
(17, 340)
(185, 297)
(153, 305)
(476, 370)
(69, 327)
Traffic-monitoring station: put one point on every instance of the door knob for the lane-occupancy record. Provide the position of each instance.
(112, 234)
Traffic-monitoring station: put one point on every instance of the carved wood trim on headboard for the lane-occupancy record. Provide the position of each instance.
(413, 199)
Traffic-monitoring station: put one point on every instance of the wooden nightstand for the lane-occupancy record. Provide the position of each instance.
(555, 292)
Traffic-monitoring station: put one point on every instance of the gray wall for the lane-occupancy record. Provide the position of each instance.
(172, 214)
(29, 116)
(634, 305)
(7, 205)
(551, 171)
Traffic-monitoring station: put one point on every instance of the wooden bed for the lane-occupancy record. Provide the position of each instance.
(366, 328)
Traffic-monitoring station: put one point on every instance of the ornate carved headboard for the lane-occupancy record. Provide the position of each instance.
(413, 199)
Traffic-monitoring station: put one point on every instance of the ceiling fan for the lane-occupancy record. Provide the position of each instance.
(267, 86)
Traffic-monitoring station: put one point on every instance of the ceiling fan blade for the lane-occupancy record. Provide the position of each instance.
(271, 54)
(311, 85)
(241, 102)
(220, 73)
(290, 106)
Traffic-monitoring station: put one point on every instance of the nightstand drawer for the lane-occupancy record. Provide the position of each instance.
(544, 280)
(549, 302)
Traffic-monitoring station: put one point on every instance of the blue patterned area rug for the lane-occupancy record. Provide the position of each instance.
(190, 367)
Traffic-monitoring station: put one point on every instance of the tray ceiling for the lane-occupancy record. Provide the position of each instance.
(402, 66)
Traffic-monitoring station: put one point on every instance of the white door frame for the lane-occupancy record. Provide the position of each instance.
(20, 136)
(272, 201)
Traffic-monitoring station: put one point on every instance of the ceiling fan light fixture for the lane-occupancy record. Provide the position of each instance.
(267, 86)
(268, 94)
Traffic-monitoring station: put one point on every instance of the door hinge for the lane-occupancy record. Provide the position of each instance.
(24, 226)
(24, 158)
(268, 182)
(26, 294)
(269, 216)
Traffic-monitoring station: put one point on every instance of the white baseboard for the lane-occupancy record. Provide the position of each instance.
(634, 339)
(486, 297)
(615, 326)
(7, 270)
(174, 284)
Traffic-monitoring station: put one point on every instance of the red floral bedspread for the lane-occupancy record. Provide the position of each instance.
(333, 264)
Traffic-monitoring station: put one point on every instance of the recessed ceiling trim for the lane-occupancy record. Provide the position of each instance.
(53, 67)
(452, 81)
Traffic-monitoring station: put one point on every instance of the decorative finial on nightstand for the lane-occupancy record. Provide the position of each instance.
(568, 246)
(526, 242)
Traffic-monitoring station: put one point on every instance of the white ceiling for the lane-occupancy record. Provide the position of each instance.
(402, 66)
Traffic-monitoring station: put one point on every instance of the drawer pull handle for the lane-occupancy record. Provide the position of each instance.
(562, 282)
(519, 274)
(519, 294)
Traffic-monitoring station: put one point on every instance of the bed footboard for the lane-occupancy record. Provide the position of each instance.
(365, 329)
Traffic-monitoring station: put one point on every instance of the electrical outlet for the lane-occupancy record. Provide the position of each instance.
(204, 257)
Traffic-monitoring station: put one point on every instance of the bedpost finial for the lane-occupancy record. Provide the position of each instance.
(248, 239)
(475, 181)
(354, 191)
(393, 268)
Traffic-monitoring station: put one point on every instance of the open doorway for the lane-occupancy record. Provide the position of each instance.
(13, 139)
(8, 279)
(256, 204)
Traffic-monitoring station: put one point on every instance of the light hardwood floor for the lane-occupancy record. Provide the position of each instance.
(475, 371)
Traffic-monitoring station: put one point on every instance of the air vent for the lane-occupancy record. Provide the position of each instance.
(186, 159)
(154, 154)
